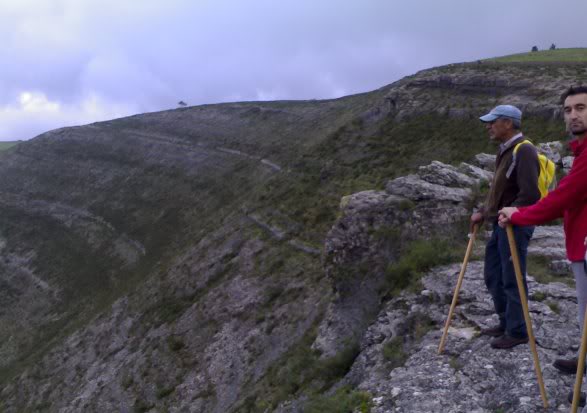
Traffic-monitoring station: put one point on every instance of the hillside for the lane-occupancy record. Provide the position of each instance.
(8, 144)
(174, 260)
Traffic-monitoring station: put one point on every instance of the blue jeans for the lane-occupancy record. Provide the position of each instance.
(500, 277)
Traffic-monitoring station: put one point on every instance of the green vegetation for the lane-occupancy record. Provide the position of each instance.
(455, 363)
(164, 391)
(555, 56)
(538, 267)
(553, 306)
(175, 343)
(538, 296)
(299, 371)
(8, 144)
(349, 161)
(418, 257)
(345, 400)
(393, 352)
(141, 406)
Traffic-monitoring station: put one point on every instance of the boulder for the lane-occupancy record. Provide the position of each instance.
(567, 163)
(485, 161)
(552, 150)
(447, 175)
(416, 189)
(476, 172)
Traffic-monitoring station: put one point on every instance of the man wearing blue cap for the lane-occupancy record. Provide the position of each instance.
(515, 183)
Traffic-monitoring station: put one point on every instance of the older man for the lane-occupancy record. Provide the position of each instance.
(568, 200)
(515, 183)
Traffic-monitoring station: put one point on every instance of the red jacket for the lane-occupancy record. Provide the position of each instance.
(568, 200)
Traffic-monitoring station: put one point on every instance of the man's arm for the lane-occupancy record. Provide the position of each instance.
(572, 189)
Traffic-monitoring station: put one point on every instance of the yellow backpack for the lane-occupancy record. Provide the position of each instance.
(547, 175)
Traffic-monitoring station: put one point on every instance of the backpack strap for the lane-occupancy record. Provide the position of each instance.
(513, 164)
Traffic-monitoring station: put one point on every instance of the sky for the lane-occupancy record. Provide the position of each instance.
(73, 62)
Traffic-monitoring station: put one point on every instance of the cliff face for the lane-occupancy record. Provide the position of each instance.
(172, 261)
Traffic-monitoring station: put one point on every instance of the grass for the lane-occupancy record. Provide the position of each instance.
(557, 55)
(344, 400)
(8, 144)
(393, 352)
(300, 371)
(553, 305)
(538, 296)
(455, 363)
(538, 267)
(418, 257)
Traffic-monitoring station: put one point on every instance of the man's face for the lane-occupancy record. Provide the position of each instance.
(498, 129)
(575, 113)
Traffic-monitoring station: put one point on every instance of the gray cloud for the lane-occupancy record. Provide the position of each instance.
(86, 60)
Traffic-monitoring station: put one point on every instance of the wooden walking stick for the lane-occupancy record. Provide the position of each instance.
(457, 289)
(521, 289)
(580, 367)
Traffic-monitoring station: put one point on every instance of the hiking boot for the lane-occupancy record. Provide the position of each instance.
(567, 366)
(581, 399)
(496, 331)
(506, 341)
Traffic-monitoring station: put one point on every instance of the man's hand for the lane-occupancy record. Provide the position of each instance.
(476, 219)
(505, 215)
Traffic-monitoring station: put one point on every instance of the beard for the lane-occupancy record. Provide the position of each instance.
(578, 130)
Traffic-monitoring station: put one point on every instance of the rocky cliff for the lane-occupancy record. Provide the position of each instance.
(201, 259)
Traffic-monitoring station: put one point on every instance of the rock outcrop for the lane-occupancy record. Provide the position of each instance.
(470, 376)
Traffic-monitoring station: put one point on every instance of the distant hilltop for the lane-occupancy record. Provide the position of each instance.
(575, 54)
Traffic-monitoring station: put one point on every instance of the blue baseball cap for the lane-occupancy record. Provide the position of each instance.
(502, 111)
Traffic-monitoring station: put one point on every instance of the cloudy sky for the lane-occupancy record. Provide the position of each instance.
(71, 62)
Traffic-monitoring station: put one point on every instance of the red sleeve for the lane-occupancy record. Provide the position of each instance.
(571, 189)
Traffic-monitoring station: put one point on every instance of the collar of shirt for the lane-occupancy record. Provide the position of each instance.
(504, 146)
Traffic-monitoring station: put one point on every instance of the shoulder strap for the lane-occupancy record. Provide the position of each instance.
(516, 148)
(521, 143)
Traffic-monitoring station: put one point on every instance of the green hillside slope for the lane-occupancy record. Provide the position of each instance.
(188, 240)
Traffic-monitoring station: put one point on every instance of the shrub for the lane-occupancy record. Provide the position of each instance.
(393, 352)
(164, 391)
(345, 400)
(420, 256)
(175, 343)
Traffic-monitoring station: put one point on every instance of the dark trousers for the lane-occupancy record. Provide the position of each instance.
(500, 277)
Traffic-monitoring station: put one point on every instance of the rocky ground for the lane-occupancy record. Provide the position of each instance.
(469, 376)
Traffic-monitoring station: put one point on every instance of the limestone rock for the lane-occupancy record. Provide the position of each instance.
(548, 241)
(567, 163)
(469, 376)
(447, 175)
(417, 189)
(552, 150)
(561, 267)
(481, 174)
(485, 161)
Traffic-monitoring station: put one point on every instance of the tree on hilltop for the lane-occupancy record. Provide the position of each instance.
(534, 48)
(553, 46)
